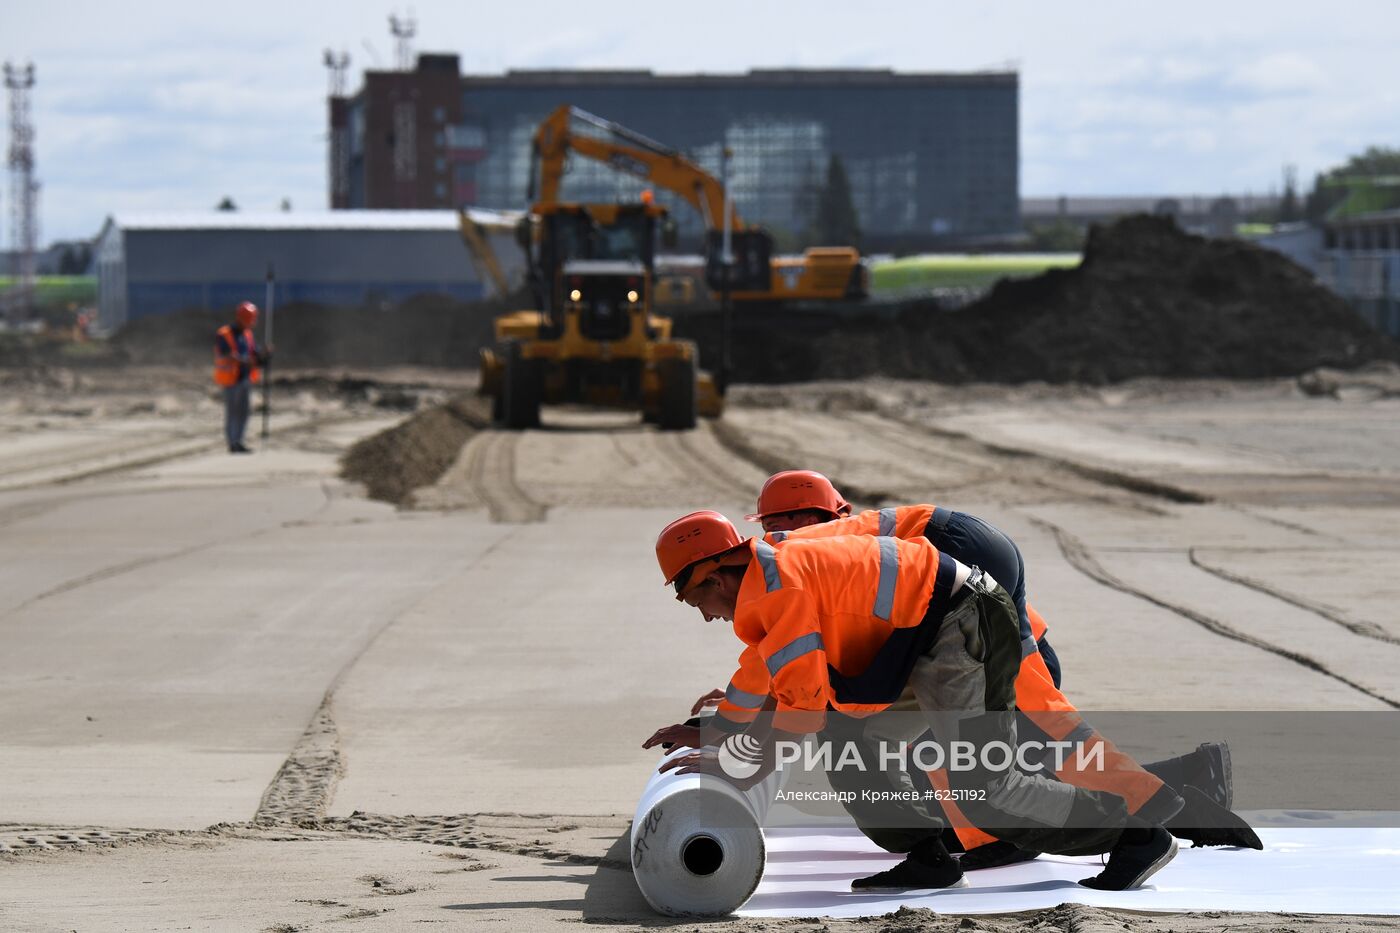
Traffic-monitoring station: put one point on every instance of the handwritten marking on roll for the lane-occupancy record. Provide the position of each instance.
(648, 826)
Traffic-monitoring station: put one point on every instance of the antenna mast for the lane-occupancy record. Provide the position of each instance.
(338, 65)
(24, 192)
(338, 154)
(404, 31)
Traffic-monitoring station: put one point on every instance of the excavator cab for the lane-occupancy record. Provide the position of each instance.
(593, 338)
(752, 266)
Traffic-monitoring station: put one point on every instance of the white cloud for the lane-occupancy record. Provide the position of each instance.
(1279, 73)
(1186, 140)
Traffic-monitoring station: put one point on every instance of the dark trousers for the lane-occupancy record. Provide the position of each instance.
(965, 685)
(976, 543)
(237, 400)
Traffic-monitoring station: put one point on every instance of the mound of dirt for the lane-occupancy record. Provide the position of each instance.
(1148, 300)
(414, 452)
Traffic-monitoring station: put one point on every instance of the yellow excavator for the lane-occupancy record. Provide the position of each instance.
(821, 273)
(593, 337)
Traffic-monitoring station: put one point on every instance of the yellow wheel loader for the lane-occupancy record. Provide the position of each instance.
(594, 338)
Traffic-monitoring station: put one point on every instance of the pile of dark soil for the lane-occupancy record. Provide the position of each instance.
(414, 452)
(1148, 300)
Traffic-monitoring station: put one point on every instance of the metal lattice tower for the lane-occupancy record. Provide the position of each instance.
(24, 193)
(404, 31)
(338, 64)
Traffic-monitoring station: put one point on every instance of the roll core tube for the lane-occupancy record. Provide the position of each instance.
(697, 843)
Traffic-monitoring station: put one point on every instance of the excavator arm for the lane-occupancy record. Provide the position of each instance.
(476, 227)
(627, 151)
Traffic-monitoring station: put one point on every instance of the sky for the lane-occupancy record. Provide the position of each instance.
(153, 105)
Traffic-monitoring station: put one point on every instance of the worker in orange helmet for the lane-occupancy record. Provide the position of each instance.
(793, 499)
(237, 362)
(856, 623)
(805, 504)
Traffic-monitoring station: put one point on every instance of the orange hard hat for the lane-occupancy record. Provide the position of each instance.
(794, 490)
(246, 314)
(693, 538)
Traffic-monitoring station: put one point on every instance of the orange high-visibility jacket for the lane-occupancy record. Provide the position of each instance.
(907, 521)
(833, 621)
(226, 356)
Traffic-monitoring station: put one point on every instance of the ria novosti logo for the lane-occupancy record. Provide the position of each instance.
(740, 756)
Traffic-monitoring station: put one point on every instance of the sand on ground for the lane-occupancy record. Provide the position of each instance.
(241, 695)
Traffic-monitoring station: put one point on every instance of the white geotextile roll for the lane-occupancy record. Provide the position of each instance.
(697, 842)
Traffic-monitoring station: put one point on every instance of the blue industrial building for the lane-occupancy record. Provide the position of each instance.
(159, 263)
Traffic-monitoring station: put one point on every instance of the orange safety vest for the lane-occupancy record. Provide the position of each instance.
(226, 363)
(832, 623)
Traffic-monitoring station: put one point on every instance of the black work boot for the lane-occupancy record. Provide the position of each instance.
(1204, 822)
(1212, 773)
(928, 865)
(1140, 853)
(995, 855)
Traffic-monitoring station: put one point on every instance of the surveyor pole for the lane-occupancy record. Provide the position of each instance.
(267, 345)
(726, 303)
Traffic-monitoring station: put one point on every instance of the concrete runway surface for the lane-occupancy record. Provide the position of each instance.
(238, 695)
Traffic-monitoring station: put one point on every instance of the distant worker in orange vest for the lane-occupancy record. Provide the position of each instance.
(236, 368)
(856, 623)
(796, 504)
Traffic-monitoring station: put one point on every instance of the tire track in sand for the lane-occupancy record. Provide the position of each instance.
(922, 452)
(1077, 553)
(139, 563)
(1360, 629)
(301, 790)
(685, 451)
(490, 470)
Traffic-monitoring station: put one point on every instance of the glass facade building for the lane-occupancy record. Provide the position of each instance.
(931, 158)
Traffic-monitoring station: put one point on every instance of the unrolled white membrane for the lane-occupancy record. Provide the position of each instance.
(697, 842)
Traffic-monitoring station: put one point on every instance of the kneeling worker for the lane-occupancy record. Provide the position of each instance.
(805, 504)
(853, 624)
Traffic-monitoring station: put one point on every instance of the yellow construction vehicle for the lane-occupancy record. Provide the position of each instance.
(594, 338)
(822, 273)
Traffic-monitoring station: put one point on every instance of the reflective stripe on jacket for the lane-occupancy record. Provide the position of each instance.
(232, 351)
(833, 621)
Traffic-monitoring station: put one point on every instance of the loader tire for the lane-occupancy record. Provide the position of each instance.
(520, 390)
(677, 395)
